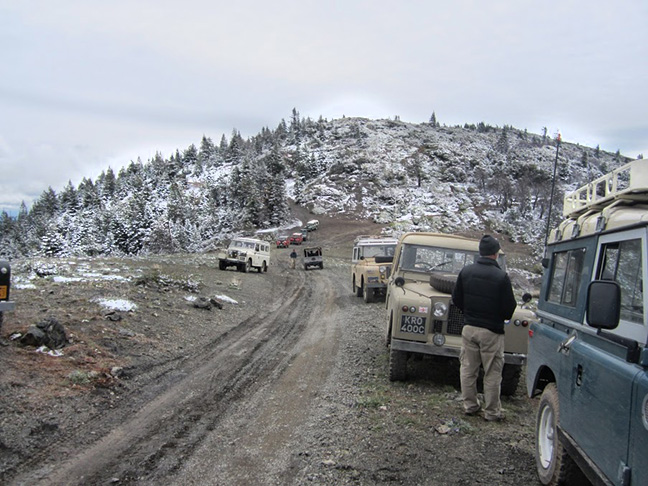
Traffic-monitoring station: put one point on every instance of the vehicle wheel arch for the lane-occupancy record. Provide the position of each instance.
(543, 377)
(388, 334)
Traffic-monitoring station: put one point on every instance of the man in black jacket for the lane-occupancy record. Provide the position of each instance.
(483, 292)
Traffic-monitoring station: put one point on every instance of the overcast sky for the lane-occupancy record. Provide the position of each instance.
(87, 84)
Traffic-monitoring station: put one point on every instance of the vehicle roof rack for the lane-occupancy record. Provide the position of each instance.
(627, 183)
(375, 238)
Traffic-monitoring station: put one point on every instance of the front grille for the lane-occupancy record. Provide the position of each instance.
(455, 320)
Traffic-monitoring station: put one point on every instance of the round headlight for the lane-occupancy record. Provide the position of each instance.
(438, 339)
(440, 309)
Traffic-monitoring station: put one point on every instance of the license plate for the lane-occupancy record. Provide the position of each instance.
(3, 291)
(413, 324)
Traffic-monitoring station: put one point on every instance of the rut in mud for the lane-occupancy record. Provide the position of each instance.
(266, 354)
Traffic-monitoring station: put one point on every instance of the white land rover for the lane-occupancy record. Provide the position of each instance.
(245, 254)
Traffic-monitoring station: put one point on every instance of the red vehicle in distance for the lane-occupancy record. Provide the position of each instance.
(283, 241)
(296, 239)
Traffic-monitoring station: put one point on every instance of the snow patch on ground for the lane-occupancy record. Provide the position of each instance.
(116, 304)
(225, 298)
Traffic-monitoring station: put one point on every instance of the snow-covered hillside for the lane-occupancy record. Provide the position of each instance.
(405, 176)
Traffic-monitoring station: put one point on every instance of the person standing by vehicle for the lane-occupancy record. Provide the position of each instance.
(293, 258)
(484, 294)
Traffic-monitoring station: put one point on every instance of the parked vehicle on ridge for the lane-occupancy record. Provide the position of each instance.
(587, 352)
(423, 321)
(371, 264)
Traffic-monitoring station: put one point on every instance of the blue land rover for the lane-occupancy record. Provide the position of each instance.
(587, 353)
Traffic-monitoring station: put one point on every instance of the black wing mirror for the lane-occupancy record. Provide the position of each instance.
(603, 304)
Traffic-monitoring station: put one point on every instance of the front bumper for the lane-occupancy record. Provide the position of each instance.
(451, 352)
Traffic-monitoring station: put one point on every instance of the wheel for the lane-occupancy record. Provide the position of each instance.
(305, 267)
(247, 266)
(510, 379)
(221, 265)
(397, 365)
(356, 290)
(443, 282)
(321, 266)
(264, 267)
(368, 295)
(553, 464)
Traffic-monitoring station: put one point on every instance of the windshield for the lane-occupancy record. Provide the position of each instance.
(242, 244)
(419, 258)
(371, 251)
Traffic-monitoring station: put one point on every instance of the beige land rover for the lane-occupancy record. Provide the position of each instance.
(245, 254)
(371, 265)
(422, 319)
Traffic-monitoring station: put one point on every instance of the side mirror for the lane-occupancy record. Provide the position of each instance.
(603, 304)
(399, 282)
(545, 263)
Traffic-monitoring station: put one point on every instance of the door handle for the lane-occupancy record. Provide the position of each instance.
(565, 345)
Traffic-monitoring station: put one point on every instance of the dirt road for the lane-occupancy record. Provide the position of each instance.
(288, 386)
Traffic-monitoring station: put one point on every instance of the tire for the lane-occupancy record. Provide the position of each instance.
(221, 265)
(321, 266)
(510, 379)
(247, 266)
(397, 365)
(368, 295)
(305, 267)
(264, 267)
(443, 282)
(553, 464)
(356, 290)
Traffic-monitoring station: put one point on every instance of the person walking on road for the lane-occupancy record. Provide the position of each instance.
(484, 294)
(293, 258)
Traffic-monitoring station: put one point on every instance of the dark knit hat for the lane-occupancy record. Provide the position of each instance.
(488, 246)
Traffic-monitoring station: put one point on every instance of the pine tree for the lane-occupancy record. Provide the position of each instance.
(68, 198)
(207, 152)
(502, 145)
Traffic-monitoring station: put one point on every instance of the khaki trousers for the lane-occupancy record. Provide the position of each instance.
(481, 347)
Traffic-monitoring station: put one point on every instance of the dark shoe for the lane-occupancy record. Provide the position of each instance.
(495, 418)
(473, 412)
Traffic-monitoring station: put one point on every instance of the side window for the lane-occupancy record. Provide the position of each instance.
(622, 261)
(566, 276)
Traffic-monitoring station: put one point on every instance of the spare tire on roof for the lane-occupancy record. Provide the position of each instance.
(384, 259)
(443, 282)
